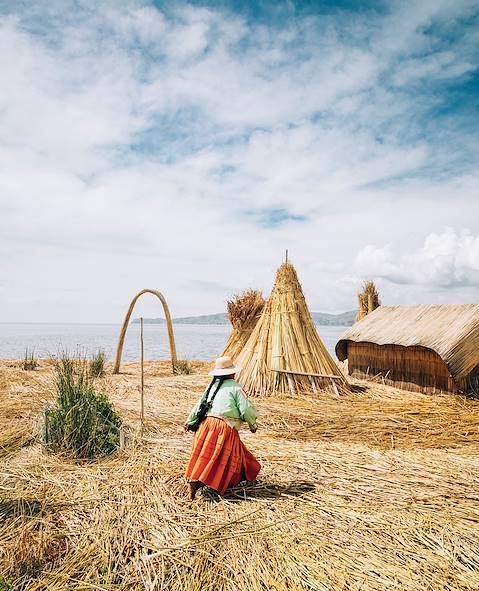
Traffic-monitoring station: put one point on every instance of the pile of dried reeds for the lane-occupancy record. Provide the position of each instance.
(368, 299)
(244, 311)
(285, 339)
(328, 512)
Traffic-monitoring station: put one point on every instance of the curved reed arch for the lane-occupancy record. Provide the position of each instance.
(124, 328)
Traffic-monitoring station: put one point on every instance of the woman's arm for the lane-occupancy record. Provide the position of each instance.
(192, 416)
(247, 410)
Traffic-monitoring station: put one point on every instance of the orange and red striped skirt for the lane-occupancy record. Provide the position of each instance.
(219, 459)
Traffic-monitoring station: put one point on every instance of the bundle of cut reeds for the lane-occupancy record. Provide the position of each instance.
(368, 299)
(244, 311)
(285, 353)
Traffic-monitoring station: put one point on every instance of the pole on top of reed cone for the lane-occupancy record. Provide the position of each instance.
(142, 383)
(286, 256)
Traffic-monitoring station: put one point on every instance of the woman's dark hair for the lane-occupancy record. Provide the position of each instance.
(215, 380)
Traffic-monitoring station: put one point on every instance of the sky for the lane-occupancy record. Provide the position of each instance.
(185, 146)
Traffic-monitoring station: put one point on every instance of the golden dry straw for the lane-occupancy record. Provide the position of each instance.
(368, 299)
(285, 338)
(244, 311)
(375, 490)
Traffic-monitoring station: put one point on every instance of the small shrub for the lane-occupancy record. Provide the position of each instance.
(97, 365)
(6, 584)
(83, 422)
(29, 362)
(182, 367)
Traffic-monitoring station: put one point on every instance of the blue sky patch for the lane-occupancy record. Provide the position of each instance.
(274, 217)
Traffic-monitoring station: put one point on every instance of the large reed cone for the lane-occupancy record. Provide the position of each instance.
(244, 311)
(286, 338)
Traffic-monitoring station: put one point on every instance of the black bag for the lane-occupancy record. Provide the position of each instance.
(205, 406)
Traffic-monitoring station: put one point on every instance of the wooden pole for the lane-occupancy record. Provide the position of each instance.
(142, 383)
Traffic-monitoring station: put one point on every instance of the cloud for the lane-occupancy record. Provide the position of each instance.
(446, 260)
(146, 146)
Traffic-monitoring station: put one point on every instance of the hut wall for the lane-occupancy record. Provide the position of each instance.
(410, 368)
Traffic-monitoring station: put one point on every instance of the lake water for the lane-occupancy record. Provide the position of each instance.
(193, 341)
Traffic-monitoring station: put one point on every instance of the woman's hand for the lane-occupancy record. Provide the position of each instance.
(253, 429)
(185, 428)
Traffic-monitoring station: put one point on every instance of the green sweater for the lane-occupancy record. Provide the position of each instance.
(229, 403)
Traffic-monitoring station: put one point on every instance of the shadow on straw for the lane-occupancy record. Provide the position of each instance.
(358, 389)
(19, 507)
(261, 490)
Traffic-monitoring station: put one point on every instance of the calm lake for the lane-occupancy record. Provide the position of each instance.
(193, 341)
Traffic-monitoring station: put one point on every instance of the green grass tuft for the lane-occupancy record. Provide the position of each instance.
(6, 584)
(97, 365)
(30, 361)
(83, 423)
(182, 367)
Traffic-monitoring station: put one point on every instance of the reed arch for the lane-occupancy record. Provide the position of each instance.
(126, 322)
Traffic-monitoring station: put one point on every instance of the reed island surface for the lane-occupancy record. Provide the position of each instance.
(377, 489)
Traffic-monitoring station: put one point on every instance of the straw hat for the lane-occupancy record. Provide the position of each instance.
(224, 367)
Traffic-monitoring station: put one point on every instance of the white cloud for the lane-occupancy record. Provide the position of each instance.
(140, 147)
(448, 259)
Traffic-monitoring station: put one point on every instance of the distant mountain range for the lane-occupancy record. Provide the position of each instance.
(344, 319)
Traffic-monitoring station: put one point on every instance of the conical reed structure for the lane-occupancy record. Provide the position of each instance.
(368, 299)
(285, 339)
(244, 311)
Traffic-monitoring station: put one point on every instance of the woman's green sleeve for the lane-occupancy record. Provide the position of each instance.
(246, 409)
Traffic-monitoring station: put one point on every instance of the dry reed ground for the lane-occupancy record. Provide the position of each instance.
(377, 490)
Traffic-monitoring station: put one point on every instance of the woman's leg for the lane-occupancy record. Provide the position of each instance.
(194, 486)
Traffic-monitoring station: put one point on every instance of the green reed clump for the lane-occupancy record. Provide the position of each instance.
(97, 365)
(182, 367)
(29, 361)
(6, 584)
(83, 422)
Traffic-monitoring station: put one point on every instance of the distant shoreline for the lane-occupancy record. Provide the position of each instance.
(320, 318)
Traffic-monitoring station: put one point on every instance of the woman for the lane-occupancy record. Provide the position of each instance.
(219, 459)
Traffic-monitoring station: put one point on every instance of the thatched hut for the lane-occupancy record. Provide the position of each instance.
(285, 353)
(424, 348)
(244, 311)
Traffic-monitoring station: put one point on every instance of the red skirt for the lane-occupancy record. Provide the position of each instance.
(219, 459)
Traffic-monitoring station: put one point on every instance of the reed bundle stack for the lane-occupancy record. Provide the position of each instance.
(244, 311)
(368, 299)
(285, 353)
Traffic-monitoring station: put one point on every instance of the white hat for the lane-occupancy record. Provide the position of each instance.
(224, 367)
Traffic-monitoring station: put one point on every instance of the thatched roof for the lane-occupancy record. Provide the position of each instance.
(285, 339)
(452, 331)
